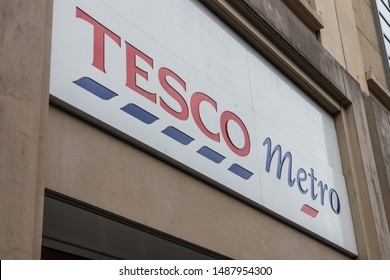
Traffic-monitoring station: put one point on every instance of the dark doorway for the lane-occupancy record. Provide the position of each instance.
(74, 230)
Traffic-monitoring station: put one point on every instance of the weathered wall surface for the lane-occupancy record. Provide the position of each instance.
(377, 103)
(23, 99)
(368, 39)
(379, 118)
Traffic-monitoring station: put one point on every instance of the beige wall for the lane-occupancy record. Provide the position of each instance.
(350, 35)
(377, 103)
(23, 107)
(340, 38)
(368, 39)
(379, 119)
(330, 35)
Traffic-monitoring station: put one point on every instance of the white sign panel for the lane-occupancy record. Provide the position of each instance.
(174, 78)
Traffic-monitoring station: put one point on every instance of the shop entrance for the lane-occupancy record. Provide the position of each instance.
(74, 230)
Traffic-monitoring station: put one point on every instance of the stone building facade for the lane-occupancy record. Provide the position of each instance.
(73, 186)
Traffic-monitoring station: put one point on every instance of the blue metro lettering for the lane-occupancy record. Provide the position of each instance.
(301, 176)
(301, 179)
(280, 160)
(336, 208)
(313, 179)
(323, 188)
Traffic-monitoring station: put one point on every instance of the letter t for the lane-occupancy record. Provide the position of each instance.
(99, 32)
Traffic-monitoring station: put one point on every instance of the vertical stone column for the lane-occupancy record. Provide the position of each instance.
(24, 74)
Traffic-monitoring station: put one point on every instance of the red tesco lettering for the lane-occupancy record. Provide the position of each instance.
(134, 72)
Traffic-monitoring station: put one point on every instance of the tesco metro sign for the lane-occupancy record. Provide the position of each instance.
(242, 127)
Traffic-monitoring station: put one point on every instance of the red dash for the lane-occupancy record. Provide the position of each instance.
(309, 210)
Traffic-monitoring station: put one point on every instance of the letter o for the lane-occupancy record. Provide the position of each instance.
(225, 118)
(335, 208)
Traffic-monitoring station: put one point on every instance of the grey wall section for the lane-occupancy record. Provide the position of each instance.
(379, 120)
(23, 105)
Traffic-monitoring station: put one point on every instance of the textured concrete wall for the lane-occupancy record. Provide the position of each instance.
(22, 94)
(330, 35)
(292, 37)
(379, 118)
(378, 115)
(368, 38)
(377, 105)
